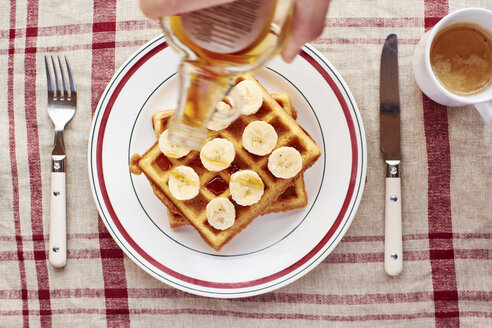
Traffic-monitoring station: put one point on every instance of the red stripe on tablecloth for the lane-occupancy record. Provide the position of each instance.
(475, 295)
(354, 299)
(432, 235)
(33, 155)
(13, 168)
(374, 22)
(291, 298)
(346, 239)
(412, 256)
(434, 10)
(372, 257)
(131, 25)
(244, 315)
(122, 44)
(75, 236)
(70, 29)
(258, 315)
(103, 48)
(75, 47)
(103, 67)
(440, 224)
(360, 299)
(283, 316)
(441, 250)
(401, 41)
(473, 254)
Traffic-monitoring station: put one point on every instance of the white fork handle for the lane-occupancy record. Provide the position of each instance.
(58, 220)
(393, 248)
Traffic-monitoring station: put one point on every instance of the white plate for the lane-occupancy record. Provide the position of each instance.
(275, 249)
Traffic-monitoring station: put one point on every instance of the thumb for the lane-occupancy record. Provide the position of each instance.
(308, 22)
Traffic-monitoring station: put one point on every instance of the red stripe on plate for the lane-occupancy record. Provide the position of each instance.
(203, 283)
(103, 66)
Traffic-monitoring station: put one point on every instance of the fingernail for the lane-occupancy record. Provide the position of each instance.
(289, 54)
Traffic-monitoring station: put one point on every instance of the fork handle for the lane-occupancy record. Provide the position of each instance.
(58, 220)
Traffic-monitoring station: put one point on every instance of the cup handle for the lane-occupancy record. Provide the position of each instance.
(236, 101)
(485, 109)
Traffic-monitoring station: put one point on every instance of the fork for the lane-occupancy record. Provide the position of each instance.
(62, 104)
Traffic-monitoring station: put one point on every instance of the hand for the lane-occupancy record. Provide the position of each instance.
(308, 20)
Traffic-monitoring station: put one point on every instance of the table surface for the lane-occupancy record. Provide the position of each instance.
(447, 186)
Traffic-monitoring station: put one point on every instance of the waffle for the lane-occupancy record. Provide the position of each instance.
(157, 169)
(294, 196)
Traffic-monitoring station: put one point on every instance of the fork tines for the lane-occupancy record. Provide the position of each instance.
(58, 93)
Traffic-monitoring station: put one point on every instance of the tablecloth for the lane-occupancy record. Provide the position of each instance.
(446, 188)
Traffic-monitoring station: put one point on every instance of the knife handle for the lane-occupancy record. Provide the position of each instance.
(393, 248)
(58, 220)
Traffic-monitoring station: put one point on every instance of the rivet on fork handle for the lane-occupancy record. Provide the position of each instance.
(58, 163)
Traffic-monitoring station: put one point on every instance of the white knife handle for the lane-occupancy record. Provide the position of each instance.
(58, 220)
(393, 252)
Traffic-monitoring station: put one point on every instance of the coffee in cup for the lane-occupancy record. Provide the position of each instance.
(452, 62)
(461, 58)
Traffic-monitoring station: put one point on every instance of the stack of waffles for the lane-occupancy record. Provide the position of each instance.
(279, 194)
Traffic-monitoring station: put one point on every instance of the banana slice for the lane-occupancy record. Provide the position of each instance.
(222, 107)
(251, 96)
(285, 162)
(169, 149)
(217, 154)
(220, 213)
(246, 187)
(259, 138)
(184, 183)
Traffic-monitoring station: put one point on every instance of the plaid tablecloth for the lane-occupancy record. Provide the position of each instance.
(447, 187)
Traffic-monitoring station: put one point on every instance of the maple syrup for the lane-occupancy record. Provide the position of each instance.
(217, 44)
(163, 162)
(217, 185)
(233, 168)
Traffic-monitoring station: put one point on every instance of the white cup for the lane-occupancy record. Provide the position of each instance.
(427, 80)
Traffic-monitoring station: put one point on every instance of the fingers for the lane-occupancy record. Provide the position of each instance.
(159, 8)
(308, 22)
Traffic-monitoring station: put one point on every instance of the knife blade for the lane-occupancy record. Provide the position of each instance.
(389, 119)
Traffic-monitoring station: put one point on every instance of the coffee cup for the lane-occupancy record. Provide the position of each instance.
(452, 81)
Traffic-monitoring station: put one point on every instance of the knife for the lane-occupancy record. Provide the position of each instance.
(389, 120)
